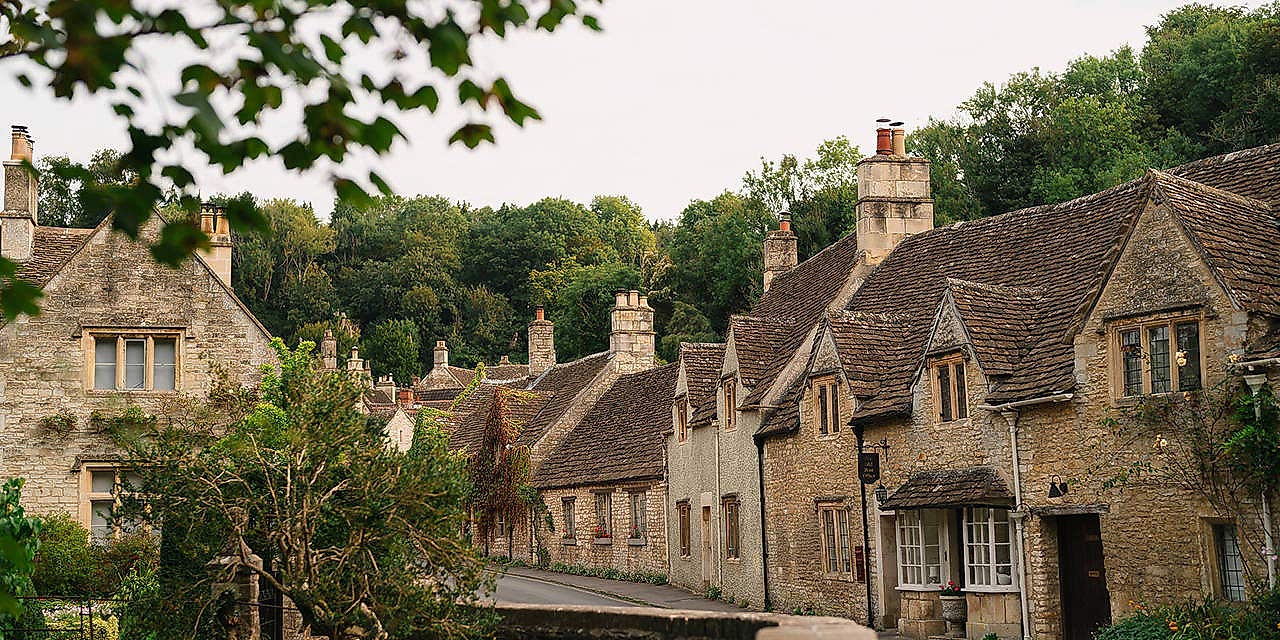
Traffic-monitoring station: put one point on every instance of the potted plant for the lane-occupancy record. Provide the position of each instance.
(602, 534)
(955, 609)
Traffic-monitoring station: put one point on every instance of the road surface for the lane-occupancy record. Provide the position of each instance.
(526, 590)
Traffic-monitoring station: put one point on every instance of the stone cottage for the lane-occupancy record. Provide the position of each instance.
(552, 411)
(442, 385)
(115, 331)
(987, 365)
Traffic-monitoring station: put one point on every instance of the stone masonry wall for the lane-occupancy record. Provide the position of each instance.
(621, 552)
(111, 283)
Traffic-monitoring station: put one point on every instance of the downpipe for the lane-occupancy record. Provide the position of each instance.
(1255, 382)
(1019, 522)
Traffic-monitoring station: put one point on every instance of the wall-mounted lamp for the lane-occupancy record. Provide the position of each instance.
(882, 494)
(1057, 488)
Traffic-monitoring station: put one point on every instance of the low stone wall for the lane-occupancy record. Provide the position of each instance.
(563, 622)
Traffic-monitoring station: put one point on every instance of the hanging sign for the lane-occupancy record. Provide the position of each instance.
(869, 467)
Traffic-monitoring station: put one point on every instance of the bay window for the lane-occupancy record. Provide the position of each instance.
(988, 549)
(922, 548)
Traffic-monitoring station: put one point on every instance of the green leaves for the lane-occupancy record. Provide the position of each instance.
(85, 45)
(17, 296)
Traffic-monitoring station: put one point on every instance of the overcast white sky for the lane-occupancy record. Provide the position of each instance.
(676, 99)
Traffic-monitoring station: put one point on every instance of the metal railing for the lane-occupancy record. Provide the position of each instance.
(67, 618)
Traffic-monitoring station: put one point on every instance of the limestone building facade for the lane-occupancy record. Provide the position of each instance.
(115, 331)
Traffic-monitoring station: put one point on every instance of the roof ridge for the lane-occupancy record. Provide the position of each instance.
(1230, 156)
(1157, 176)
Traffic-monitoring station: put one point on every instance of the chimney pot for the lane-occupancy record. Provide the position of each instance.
(784, 222)
(633, 298)
(884, 141)
(899, 142)
(620, 298)
(21, 147)
(540, 313)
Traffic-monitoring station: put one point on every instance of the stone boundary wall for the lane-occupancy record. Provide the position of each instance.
(564, 622)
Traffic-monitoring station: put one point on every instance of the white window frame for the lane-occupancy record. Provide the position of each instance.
(120, 366)
(981, 573)
(911, 536)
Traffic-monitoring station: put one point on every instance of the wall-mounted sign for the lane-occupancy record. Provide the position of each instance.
(869, 467)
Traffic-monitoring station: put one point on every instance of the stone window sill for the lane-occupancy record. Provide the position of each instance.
(569, 541)
(637, 542)
(133, 393)
(603, 541)
(733, 560)
(922, 588)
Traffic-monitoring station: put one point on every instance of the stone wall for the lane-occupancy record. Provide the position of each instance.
(620, 552)
(112, 283)
(563, 622)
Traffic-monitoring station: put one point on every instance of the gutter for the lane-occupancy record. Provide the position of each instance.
(1009, 411)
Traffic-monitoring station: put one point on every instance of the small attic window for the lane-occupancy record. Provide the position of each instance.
(1161, 356)
(826, 405)
(950, 393)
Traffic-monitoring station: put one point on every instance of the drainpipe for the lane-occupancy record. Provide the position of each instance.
(1009, 411)
(866, 534)
(764, 539)
(1255, 382)
(666, 524)
(715, 510)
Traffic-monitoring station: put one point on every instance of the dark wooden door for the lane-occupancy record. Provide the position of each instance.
(1086, 606)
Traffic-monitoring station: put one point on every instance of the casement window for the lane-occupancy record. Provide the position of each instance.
(682, 508)
(604, 515)
(833, 524)
(826, 405)
(682, 419)
(502, 525)
(730, 404)
(638, 516)
(134, 362)
(1230, 563)
(950, 395)
(102, 487)
(988, 549)
(1158, 357)
(732, 526)
(922, 548)
(570, 518)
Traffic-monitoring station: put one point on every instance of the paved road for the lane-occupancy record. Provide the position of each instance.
(528, 590)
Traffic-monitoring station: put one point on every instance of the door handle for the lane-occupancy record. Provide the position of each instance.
(1095, 574)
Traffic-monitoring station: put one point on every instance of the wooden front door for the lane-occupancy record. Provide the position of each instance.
(706, 545)
(1086, 605)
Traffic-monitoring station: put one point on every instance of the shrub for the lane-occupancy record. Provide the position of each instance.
(712, 593)
(139, 608)
(64, 561)
(1205, 620)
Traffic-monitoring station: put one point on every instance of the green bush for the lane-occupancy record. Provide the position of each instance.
(1205, 620)
(139, 603)
(67, 564)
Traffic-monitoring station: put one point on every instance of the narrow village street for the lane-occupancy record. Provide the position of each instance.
(532, 586)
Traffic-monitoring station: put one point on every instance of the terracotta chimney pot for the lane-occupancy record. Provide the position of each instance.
(884, 141)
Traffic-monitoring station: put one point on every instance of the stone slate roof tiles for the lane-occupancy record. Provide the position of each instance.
(756, 339)
(996, 319)
(702, 364)
(972, 487)
(52, 247)
(469, 417)
(621, 436)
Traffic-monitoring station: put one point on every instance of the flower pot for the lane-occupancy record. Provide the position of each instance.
(955, 610)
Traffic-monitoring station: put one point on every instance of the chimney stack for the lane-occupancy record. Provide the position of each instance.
(632, 336)
(18, 219)
(542, 343)
(213, 222)
(440, 360)
(893, 196)
(329, 350)
(780, 252)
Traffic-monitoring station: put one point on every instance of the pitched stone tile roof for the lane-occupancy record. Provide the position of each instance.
(506, 371)
(996, 318)
(468, 419)
(972, 487)
(620, 438)
(555, 390)
(702, 363)
(51, 249)
(1243, 250)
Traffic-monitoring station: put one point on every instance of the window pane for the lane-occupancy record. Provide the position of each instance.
(1230, 564)
(931, 534)
(1189, 346)
(135, 364)
(845, 560)
(165, 361)
(1158, 345)
(100, 520)
(829, 531)
(104, 363)
(944, 393)
(962, 402)
(103, 481)
(835, 408)
(1131, 349)
(822, 409)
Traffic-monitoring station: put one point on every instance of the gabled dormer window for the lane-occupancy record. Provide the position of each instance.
(730, 404)
(1157, 357)
(951, 396)
(826, 405)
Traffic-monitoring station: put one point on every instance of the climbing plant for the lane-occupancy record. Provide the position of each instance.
(500, 466)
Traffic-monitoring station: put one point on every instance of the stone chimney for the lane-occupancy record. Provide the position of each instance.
(780, 254)
(18, 219)
(542, 343)
(441, 358)
(387, 385)
(893, 196)
(329, 350)
(213, 222)
(631, 339)
(504, 361)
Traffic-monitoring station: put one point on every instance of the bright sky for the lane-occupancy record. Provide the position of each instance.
(676, 99)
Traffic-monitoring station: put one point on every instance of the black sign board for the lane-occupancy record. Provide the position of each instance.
(869, 467)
